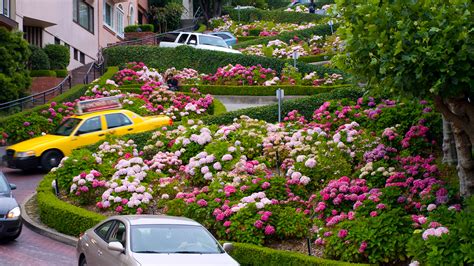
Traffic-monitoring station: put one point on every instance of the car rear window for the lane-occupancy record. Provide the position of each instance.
(214, 41)
(168, 37)
(117, 120)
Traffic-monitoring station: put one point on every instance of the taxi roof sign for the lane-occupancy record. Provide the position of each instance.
(99, 104)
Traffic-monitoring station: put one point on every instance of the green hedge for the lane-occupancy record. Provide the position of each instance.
(269, 113)
(42, 73)
(61, 73)
(260, 90)
(143, 28)
(204, 61)
(253, 14)
(247, 38)
(248, 254)
(202, 28)
(38, 59)
(58, 55)
(315, 58)
(286, 36)
(63, 217)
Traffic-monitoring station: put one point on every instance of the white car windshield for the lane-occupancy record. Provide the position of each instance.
(165, 238)
(4, 186)
(214, 41)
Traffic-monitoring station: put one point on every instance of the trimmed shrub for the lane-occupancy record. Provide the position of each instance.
(275, 4)
(61, 73)
(58, 55)
(247, 38)
(315, 58)
(248, 254)
(204, 61)
(260, 90)
(14, 77)
(286, 36)
(42, 73)
(253, 14)
(38, 59)
(269, 113)
(142, 27)
(202, 28)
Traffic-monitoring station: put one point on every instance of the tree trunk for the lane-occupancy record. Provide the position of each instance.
(460, 112)
(449, 145)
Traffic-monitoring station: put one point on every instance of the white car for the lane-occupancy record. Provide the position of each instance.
(196, 40)
(151, 240)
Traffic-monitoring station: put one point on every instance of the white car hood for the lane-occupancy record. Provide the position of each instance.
(184, 259)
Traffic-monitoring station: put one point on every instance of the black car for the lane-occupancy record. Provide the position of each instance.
(10, 214)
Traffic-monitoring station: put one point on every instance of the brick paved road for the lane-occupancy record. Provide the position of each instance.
(31, 248)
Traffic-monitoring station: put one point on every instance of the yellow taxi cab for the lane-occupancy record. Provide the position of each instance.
(77, 131)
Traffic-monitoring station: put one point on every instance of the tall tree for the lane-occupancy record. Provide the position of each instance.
(418, 47)
(211, 8)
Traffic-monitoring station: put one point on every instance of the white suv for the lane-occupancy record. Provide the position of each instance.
(196, 40)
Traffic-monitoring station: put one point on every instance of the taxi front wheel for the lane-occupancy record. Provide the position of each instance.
(50, 159)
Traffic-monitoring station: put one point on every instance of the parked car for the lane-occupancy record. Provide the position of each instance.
(77, 131)
(151, 240)
(299, 2)
(228, 37)
(10, 213)
(196, 40)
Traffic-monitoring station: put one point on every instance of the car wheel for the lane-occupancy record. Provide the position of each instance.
(82, 261)
(51, 159)
(11, 238)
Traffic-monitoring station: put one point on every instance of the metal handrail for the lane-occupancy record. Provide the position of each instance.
(95, 66)
(36, 98)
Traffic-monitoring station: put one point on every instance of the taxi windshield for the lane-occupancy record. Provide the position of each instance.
(67, 127)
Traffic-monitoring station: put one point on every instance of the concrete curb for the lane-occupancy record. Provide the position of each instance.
(42, 229)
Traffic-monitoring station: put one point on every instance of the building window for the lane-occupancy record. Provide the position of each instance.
(34, 35)
(5, 7)
(131, 15)
(75, 54)
(108, 14)
(119, 16)
(83, 14)
(82, 58)
(57, 40)
(140, 17)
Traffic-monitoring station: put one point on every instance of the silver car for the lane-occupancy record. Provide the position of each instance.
(151, 240)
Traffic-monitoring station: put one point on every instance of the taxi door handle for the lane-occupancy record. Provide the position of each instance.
(100, 135)
(130, 129)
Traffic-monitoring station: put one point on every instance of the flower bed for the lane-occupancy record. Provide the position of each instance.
(337, 177)
(153, 98)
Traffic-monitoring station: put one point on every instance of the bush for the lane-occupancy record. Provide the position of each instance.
(58, 55)
(63, 217)
(255, 3)
(39, 59)
(269, 113)
(204, 61)
(260, 90)
(455, 247)
(275, 4)
(248, 254)
(202, 28)
(61, 73)
(247, 38)
(142, 27)
(253, 14)
(315, 58)
(42, 73)
(14, 54)
(305, 34)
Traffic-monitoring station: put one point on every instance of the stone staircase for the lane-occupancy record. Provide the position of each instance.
(79, 73)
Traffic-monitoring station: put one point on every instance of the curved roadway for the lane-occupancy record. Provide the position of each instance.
(31, 248)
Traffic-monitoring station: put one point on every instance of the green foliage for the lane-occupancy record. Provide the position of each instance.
(246, 38)
(315, 58)
(260, 90)
(202, 28)
(62, 216)
(14, 54)
(455, 247)
(61, 73)
(218, 107)
(248, 254)
(269, 113)
(385, 235)
(256, 3)
(416, 47)
(253, 14)
(166, 18)
(306, 34)
(276, 4)
(142, 27)
(42, 73)
(38, 59)
(204, 61)
(58, 55)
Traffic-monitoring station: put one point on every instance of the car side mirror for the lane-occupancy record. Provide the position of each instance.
(193, 42)
(228, 247)
(116, 246)
(230, 47)
(12, 186)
